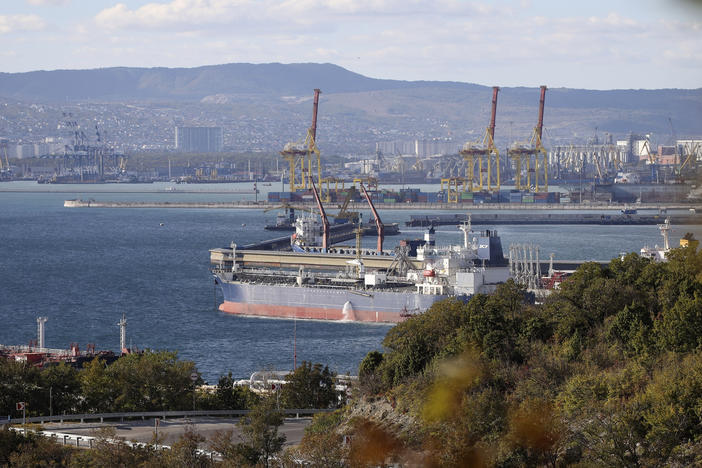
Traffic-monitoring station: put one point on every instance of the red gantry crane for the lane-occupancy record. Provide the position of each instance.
(301, 153)
(521, 152)
(485, 150)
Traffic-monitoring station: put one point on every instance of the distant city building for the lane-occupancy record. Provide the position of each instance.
(421, 148)
(199, 139)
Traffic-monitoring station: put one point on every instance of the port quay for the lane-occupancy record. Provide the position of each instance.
(244, 204)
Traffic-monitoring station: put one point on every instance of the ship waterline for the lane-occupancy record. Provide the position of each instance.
(322, 304)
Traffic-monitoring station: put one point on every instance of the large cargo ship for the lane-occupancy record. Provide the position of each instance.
(354, 284)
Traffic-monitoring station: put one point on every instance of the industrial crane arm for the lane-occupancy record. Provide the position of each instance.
(378, 223)
(325, 221)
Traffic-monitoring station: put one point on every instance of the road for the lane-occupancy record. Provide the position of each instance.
(172, 429)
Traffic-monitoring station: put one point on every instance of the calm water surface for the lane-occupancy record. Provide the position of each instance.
(83, 268)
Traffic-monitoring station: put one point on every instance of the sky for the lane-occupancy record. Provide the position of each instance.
(594, 44)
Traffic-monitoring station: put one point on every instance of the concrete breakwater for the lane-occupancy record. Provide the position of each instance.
(553, 219)
(246, 204)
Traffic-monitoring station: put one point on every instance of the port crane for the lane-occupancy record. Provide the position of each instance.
(378, 223)
(301, 153)
(523, 152)
(484, 151)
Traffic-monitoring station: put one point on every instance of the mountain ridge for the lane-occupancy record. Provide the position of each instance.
(375, 108)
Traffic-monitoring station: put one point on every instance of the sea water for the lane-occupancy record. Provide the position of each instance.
(85, 267)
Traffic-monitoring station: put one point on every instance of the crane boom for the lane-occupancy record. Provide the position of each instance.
(491, 129)
(542, 100)
(315, 106)
(325, 221)
(378, 223)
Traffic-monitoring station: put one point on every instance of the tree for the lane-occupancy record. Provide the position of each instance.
(151, 381)
(111, 451)
(322, 446)
(184, 452)
(97, 387)
(259, 439)
(369, 378)
(680, 327)
(229, 396)
(309, 386)
(61, 387)
(19, 381)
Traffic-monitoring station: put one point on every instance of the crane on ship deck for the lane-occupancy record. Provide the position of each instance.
(323, 214)
(378, 223)
(343, 213)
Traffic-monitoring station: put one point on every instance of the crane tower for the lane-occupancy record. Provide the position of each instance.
(486, 154)
(523, 153)
(301, 154)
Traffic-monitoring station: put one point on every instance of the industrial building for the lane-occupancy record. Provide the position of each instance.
(198, 139)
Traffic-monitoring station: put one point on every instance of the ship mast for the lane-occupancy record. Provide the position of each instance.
(123, 334)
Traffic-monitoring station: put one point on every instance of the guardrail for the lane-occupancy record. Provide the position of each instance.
(88, 442)
(153, 414)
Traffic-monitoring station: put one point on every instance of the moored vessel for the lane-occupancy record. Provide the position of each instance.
(355, 284)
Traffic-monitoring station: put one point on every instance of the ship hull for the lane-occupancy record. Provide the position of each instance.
(302, 302)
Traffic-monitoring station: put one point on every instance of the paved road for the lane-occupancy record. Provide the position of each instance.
(172, 429)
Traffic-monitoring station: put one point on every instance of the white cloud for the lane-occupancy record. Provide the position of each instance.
(12, 23)
(175, 14)
(284, 13)
(505, 42)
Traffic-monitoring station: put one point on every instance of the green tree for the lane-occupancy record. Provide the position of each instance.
(17, 449)
(369, 377)
(152, 381)
(680, 327)
(309, 386)
(414, 343)
(97, 386)
(230, 396)
(20, 381)
(260, 430)
(185, 451)
(61, 388)
(259, 439)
